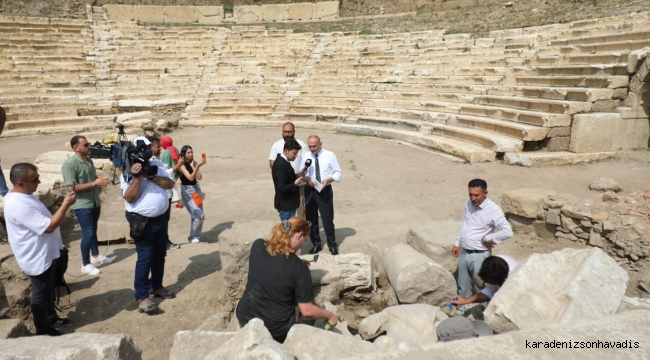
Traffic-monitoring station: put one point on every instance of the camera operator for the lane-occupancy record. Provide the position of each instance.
(146, 204)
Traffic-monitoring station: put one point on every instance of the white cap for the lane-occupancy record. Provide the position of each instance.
(144, 139)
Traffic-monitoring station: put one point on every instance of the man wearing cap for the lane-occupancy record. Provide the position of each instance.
(483, 227)
(494, 272)
(459, 327)
(146, 203)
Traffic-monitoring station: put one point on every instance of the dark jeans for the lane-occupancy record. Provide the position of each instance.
(151, 251)
(43, 300)
(322, 202)
(3, 184)
(167, 216)
(88, 219)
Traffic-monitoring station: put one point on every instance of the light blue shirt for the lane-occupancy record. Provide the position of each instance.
(153, 200)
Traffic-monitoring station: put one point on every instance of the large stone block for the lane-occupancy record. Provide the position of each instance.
(310, 343)
(77, 346)
(435, 240)
(299, 11)
(12, 328)
(560, 287)
(612, 337)
(197, 344)
(253, 341)
(414, 324)
(274, 12)
(526, 202)
(234, 249)
(135, 105)
(596, 132)
(149, 13)
(248, 14)
(120, 12)
(180, 14)
(416, 278)
(356, 270)
(326, 10)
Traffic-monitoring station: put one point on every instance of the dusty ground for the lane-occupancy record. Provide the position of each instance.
(386, 187)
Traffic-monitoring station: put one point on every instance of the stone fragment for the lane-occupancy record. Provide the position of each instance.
(435, 240)
(635, 59)
(414, 324)
(560, 287)
(162, 125)
(12, 328)
(135, 105)
(356, 270)
(568, 223)
(77, 346)
(602, 132)
(579, 213)
(525, 202)
(253, 341)
(608, 226)
(216, 322)
(610, 196)
(567, 236)
(197, 344)
(586, 224)
(605, 184)
(595, 239)
(416, 278)
(630, 326)
(326, 10)
(308, 342)
(553, 217)
(633, 303)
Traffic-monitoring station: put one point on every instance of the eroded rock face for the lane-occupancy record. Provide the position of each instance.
(560, 287)
(414, 325)
(605, 184)
(416, 278)
(526, 202)
(13, 328)
(308, 342)
(197, 344)
(77, 346)
(253, 341)
(435, 240)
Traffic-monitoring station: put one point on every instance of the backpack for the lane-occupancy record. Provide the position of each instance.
(58, 279)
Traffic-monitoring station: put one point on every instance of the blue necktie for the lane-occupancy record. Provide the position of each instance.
(317, 169)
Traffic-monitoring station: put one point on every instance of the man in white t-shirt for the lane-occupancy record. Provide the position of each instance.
(35, 240)
(494, 272)
(289, 132)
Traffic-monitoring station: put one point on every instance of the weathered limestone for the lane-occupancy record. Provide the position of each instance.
(309, 343)
(356, 270)
(274, 12)
(594, 132)
(435, 240)
(605, 184)
(77, 346)
(414, 324)
(300, 11)
(635, 59)
(216, 322)
(630, 303)
(253, 341)
(416, 278)
(624, 334)
(248, 13)
(326, 10)
(11, 328)
(197, 344)
(542, 159)
(526, 202)
(560, 287)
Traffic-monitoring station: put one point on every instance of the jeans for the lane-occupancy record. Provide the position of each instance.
(3, 184)
(43, 300)
(167, 216)
(88, 219)
(151, 251)
(468, 267)
(286, 215)
(196, 225)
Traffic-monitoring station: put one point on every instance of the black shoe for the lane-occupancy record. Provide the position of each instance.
(162, 293)
(59, 323)
(50, 332)
(316, 249)
(334, 251)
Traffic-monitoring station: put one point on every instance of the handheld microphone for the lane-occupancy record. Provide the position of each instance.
(307, 165)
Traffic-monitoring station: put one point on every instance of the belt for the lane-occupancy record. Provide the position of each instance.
(474, 251)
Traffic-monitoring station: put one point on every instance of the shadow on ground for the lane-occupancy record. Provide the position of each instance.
(199, 266)
(212, 236)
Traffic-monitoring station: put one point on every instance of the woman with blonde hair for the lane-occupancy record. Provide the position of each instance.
(278, 281)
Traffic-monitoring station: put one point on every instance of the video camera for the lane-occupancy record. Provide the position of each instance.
(124, 154)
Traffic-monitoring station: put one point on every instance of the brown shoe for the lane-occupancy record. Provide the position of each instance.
(146, 305)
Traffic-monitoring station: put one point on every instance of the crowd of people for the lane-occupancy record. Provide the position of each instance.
(279, 282)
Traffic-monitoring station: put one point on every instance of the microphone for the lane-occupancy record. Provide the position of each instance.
(307, 165)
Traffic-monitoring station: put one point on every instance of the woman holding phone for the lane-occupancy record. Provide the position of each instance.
(189, 172)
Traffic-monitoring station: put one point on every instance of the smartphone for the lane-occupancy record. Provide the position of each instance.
(73, 185)
(203, 156)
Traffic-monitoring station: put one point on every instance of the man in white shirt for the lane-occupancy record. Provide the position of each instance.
(494, 271)
(146, 203)
(35, 240)
(484, 226)
(289, 132)
(324, 170)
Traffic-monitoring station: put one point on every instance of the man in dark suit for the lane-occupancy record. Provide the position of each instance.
(285, 180)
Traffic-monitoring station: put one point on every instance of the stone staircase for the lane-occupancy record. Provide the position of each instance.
(520, 93)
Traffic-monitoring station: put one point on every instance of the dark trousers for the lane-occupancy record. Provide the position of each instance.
(43, 300)
(322, 202)
(167, 216)
(88, 219)
(151, 251)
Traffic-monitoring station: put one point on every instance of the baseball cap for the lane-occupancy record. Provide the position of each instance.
(459, 327)
(144, 139)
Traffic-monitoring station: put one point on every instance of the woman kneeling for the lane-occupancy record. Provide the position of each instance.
(278, 281)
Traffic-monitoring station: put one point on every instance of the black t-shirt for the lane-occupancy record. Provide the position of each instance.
(276, 284)
(184, 180)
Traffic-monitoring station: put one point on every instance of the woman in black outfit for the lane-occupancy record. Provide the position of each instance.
(190, 174)
(278, 281)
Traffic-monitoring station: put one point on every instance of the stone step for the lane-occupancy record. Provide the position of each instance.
(598, 81)
(634, 35)
(616, 58)
(542, 105)
(537, 118)
(15, 128)
(616, 46)
(559, 158)
(515, 130)
(31, 115)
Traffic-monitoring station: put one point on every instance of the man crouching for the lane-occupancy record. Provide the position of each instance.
(146, 204)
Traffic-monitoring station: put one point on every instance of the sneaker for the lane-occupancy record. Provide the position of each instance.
(100, 259)
(179, 206)
(90, 270)
(162, 293)
(50, 332)
(146, 305)
(174, 246)
(195, 240)
(59, 323)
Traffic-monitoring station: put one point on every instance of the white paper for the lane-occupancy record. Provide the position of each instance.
(317, 185)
